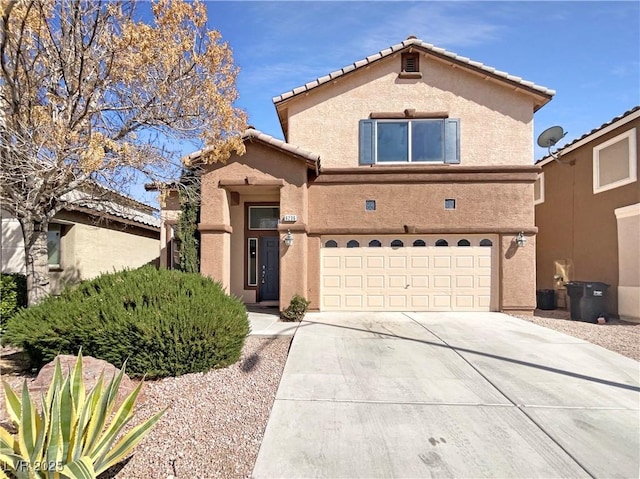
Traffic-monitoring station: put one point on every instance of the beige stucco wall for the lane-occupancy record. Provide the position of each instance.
(485, 206)
(628, 219)
(12, 245)
(579, 226)
(253, 177)
(495, 120)
(88, 250)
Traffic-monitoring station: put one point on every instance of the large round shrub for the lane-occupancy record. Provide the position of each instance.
(164, 323)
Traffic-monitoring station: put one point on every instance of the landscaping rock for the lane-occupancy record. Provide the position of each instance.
(91, 370)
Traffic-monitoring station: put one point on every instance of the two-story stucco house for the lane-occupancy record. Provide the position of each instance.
(402, 183)
(588, 215)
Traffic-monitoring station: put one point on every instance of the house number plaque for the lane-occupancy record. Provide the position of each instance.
(289, 218)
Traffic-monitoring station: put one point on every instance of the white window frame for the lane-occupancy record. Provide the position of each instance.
(630, 135)
(410, 123)
(540, 199)
(55, 227)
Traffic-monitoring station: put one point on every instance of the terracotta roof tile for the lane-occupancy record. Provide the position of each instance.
(572, 143)
(427, 46)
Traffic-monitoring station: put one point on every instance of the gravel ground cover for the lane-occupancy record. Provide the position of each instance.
(215, 421)
(615, 335)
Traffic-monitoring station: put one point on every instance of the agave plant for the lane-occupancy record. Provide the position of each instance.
(69, 437)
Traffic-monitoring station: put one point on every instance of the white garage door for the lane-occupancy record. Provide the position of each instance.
(407, 273)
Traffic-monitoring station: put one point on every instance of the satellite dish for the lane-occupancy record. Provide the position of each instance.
(549, 137)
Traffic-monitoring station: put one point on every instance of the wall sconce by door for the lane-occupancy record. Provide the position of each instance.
(521, 240)
(288, 238)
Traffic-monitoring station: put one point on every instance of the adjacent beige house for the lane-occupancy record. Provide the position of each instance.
(89, 238)
(404, 182)
(588, 215)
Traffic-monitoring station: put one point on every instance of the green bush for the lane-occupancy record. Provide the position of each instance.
(13, 296)
(164, 323)
(296, 309)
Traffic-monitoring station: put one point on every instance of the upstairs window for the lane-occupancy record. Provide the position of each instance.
(614, 162)
(409, 141)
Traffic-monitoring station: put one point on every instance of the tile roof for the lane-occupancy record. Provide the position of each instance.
(440, 52)
(81, 199)
(252, 134)
(592, 132)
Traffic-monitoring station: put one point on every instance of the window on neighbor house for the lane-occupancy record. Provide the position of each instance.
(614, 162)
(409, 141)
(54, 235)
(538, 190)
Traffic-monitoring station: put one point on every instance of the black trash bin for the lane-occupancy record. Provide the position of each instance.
(546, 299)
(587, 300)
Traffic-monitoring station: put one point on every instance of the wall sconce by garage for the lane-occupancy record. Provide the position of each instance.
(521, 240)
(288, 238)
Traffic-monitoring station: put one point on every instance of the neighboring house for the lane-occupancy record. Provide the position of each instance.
(588, 214)
(402, 184)
(91, 237)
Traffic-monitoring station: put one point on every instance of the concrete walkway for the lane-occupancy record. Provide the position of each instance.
(450, 395)
(265, 322)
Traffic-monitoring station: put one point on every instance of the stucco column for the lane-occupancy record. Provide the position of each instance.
(293, 263)
(518, 275)
(215, 234)
(313, 272)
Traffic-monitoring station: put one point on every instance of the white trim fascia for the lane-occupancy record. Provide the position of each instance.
(592, 137)
(627, 211)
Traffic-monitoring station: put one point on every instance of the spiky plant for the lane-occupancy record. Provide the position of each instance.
(71, 436)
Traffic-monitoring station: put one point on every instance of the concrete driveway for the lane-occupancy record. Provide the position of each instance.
(450, 395)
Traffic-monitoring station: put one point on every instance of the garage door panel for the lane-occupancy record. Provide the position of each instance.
(420, 302)
(442, 281)
(442, 302)
(375, 301)
(375, 262)
(419, 262)
(442, 262)
(353, 281)
(331, 281)
(353, 301)
(398, 262)
(397, 301)
(464, 302)
(397, 281)
(331, 262)
(484, 281)
(419, 281)
(352, 262)
(464, 261)
(427, 278)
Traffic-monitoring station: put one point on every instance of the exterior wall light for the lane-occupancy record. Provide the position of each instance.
(521, 240)
(288, 239)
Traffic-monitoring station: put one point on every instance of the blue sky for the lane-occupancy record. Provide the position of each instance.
(589, 52)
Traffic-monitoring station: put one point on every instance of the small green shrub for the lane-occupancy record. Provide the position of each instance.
(164, 323)
(296, 309)
(70, 436)
(13, 296)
